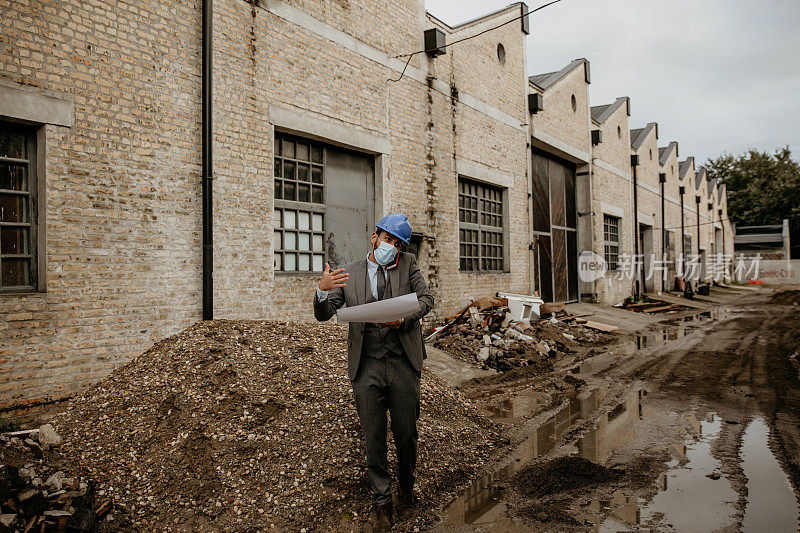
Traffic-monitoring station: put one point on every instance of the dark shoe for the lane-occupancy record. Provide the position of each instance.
(407, 505)
(381, 518)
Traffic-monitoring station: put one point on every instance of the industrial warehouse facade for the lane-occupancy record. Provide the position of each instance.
(322, 123)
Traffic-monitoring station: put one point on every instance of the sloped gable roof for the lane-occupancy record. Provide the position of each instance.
(479, 19)
(639, 135)
(699, 176)
(600, 113)
(548, 79)
(684, 166)
(665, 151)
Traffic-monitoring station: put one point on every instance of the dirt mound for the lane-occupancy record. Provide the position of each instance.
(234, 425)
(786, 298)
(564, 474)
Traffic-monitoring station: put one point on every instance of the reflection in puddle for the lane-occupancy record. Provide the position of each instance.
(611, 430)
(482, 501)
(771, 504)
(631, 346)
(692, 495)
(688, 500)
(520, 405)
(691, 501)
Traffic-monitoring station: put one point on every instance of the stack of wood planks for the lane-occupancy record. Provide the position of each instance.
(652, 307)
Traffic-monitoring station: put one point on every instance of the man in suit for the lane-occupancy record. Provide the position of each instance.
(384, 360)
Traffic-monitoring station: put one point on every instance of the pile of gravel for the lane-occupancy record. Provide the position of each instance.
(236, 425)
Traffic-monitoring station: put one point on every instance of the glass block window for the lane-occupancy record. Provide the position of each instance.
(17, 208)
(299, 217)
(611, 241)
(480, 216)
(299, 170)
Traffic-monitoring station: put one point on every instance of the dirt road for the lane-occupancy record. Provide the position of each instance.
(693, 426)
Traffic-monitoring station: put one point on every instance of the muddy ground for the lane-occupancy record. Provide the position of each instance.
(692, 426)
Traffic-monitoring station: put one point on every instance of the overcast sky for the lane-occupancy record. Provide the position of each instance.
(717, 75)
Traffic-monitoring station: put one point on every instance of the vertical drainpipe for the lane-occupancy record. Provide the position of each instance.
(697, 207)
(683, 236)
(634, 164)
(697, 203)
(719, 215)
(207, 164)
(662, 177)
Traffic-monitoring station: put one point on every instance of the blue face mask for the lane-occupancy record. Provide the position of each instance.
(384, 253)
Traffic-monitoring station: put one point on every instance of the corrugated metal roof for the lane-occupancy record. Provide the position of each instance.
(639, 135)
(546, 80)
(598, 110)
(600, 113)
(664, 151)
(684, 166)
(540, 79)
(699, 176)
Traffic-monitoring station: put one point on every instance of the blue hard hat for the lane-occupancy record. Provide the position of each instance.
(397, 224)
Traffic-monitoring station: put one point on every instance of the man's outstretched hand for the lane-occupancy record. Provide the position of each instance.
(333, 279)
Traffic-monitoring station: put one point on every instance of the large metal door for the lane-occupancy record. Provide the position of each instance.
(350, 203)
(555, 228)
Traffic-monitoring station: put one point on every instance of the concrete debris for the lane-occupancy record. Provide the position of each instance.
(48, 436)
(483, 354)
(484, 334)
(61, 503)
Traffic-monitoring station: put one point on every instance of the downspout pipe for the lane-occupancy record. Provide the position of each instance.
(634, 165)
(207, 163)
(662, 178)
(683, 235)
(697, 207)
(719, 215)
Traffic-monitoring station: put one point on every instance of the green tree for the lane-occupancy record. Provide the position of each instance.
(762, 189)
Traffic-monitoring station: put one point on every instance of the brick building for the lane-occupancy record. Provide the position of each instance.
(612, 197)
(101, 135)
(561, 190)
(326, 115)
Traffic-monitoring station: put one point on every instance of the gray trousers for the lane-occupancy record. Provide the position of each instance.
(388, 383)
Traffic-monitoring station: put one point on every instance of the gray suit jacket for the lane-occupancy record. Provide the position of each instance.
(404, 279)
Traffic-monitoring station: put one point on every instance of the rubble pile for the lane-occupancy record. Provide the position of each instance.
(485, 334)
(37, 496)
(234, 425)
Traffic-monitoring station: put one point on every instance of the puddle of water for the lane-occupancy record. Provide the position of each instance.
(653, 339)
(611, 429)
(631, 346)
(771, 503)
(521, 404)
(688, 500)
(483, 502)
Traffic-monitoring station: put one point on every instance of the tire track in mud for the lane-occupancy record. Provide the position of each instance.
(739, 368)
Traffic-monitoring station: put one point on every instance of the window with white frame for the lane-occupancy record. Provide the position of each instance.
(18, 200)
(299, 217)
(611, 241)
(480, 216)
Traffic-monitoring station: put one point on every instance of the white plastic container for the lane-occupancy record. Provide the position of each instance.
(522, 306)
